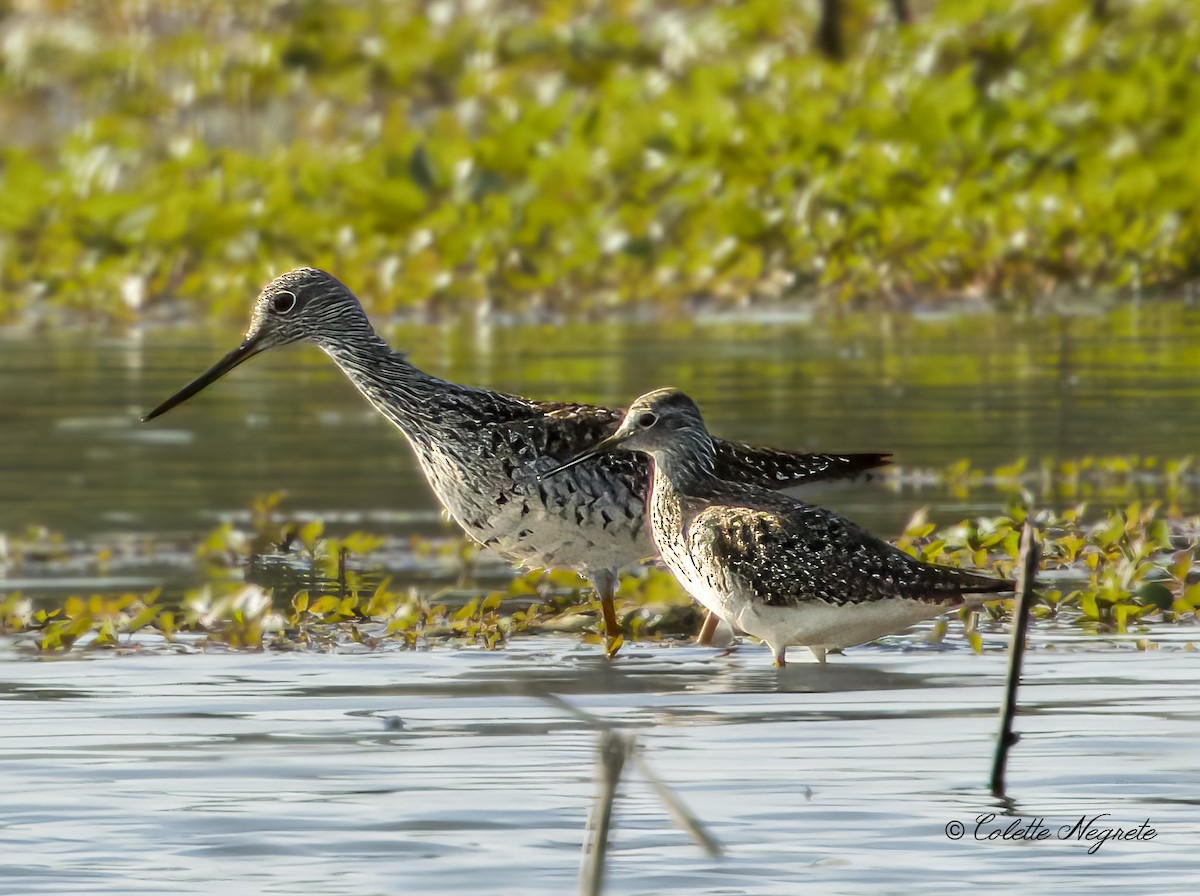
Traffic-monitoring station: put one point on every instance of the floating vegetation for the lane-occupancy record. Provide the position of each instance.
(286, 583)
(251, 617)
(1105, 479)
(1123, 566)
(573, 155)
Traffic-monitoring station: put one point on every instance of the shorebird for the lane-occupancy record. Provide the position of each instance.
(481, 450)
(786, 572)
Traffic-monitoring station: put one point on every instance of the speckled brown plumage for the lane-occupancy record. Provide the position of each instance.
(788, 551)
(774, 566)
(481, 450)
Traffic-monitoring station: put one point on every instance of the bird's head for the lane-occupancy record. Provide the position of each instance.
(666, 424)
(302, 305)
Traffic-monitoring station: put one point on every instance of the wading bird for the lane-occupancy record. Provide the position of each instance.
(481, 450)
(786, 572)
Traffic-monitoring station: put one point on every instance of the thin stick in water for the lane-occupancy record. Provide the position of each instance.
(687, 820)
(614, 748)
(342, 552)
(1027, 565)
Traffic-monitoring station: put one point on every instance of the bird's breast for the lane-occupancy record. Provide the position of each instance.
(579, 519)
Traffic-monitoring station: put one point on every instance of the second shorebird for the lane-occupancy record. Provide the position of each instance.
(786, 572)
(481, 450)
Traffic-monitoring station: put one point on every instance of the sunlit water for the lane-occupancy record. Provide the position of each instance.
(74, 458)
(439, 772)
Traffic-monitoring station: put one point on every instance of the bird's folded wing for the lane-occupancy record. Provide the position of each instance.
(791, 554)
(773, 468)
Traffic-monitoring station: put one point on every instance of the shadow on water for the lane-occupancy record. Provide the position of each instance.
(989, 388)
(134, 500)
(446, 771)
(448, 768)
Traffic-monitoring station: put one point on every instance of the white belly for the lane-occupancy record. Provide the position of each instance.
(542, 539)
(709, 594)
(815, 624)
(824, 626)
(511, 517)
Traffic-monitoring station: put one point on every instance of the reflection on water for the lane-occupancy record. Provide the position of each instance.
(990, 388)
(287, 773)
(441, 771)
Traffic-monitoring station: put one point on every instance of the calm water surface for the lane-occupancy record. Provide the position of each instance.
(280, 774)
(440, 772)
(990, 389)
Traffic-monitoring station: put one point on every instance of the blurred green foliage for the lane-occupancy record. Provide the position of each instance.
(163, 159)
(1107, 572)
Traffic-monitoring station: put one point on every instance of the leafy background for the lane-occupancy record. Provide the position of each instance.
(161, 160)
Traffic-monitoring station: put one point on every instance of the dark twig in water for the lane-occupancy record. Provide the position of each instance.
(289, 538)
(683, 816)
(341, 572)
(1027, 564)
(615, 748)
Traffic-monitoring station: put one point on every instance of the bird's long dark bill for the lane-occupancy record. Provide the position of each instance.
(606, 445)
(243, 352)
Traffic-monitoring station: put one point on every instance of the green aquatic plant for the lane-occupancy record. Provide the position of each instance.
(251, 617)
(1091, 479)
(1103, 571)
(100, 619)
(584, 155)
(1128, 564)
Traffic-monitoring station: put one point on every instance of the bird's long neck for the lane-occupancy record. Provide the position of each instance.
(408, 396)
(678, 477)
(687, 466)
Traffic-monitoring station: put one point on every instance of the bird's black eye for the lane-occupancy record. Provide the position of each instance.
(283, 302)
(646, 421)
